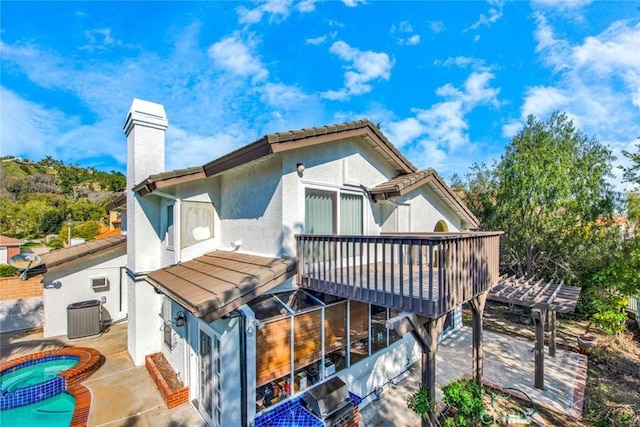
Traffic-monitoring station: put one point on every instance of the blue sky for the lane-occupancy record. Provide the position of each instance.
(449, 82)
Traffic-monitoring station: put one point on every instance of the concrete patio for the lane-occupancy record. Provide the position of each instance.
(508, 363)
(125, 395)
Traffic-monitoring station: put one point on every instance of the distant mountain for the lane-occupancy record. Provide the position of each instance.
(22, 176)
(39, 198)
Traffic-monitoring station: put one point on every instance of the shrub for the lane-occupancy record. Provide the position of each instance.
(420, 403)
(7, 270)
(465, 397)
(55, 243)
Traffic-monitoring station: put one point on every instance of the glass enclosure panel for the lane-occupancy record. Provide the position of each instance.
(359, 331)
(268, 307)
(273, 351)
(378, 328)
(393, 335)
(307, 338)
(335, 335)
(299, 301)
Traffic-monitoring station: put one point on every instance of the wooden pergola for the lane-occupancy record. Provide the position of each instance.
(545, 298)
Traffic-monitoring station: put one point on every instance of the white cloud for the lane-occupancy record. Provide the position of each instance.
(306, 6)
(542, 101)
(404, 131)
(100, 39)
(596, 83)
(317, 40)
(275, 9)
(363, 68)
(436, 26)
(404, 34)
(353, 3)
(413, 40)
(477, 64)
(215, 100)
(441, 132)
(493, 15)
(556, 51)
(234, 55)
(510, 129)
(562, 5)
(32, 130)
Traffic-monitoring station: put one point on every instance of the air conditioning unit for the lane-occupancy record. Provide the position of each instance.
(99, 284)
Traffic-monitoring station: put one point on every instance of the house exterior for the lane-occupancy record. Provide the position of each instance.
(92, 271)
(264, 272)
(8, 248)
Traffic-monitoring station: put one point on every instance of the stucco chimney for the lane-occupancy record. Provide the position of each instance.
(144, 127)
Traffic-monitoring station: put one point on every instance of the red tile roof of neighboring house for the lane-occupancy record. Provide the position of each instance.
(10, 241)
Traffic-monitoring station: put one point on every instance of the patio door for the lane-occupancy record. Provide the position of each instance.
(209, 378)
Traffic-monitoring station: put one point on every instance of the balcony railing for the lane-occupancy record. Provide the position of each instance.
(426, 273)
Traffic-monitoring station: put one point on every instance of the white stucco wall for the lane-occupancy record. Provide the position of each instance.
(71, 284)
(145, 325)
(251, 207)
(177, 354)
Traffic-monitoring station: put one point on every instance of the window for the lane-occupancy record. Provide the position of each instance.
(169, 238)
(196, 222)
(323, 215)
(166, 323)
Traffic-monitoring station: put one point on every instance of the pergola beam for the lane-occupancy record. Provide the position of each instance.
(563, 299)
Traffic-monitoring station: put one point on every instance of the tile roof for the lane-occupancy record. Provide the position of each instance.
(10, 241)
(62, 256)
(173, 177)
(403, 184)
(218, 282)
(279, 142)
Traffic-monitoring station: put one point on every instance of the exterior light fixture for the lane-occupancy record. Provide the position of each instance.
(181, 319)
(300, 168)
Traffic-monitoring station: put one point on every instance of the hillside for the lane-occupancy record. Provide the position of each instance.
(38, 198)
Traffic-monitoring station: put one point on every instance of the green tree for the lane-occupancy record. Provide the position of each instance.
(86, 230)
(84, 210)
(549, 194)
(632, 173)
(633, 208)
(39, 218)
(609, 288)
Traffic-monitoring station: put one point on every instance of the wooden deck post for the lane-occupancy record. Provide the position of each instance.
(552, 338)
(426, 333)
(538, 320)
(477, 309)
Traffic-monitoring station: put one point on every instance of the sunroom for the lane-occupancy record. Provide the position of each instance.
(304, 336)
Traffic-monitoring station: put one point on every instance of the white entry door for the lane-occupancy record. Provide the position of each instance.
(209, 378)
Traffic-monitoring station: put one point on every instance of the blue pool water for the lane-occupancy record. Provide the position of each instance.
(53, 412)
(34, 374)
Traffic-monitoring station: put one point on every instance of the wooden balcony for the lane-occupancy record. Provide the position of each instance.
(427, 273)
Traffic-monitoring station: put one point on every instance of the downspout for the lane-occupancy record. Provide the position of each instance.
(120, 289)
(243, 364)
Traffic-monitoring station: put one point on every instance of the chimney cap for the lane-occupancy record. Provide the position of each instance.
(140, 106)
(147, 114)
